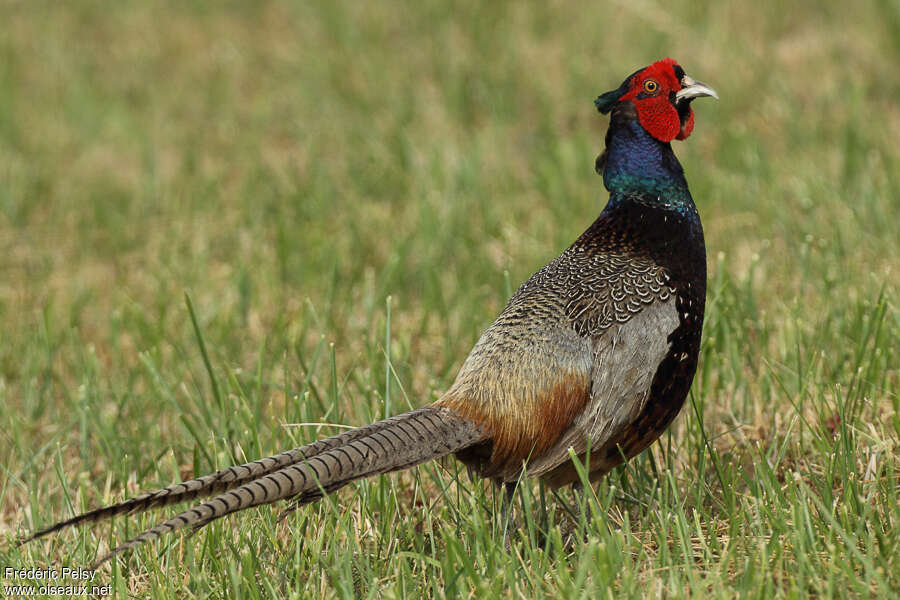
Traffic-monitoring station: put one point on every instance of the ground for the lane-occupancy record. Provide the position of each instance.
(348, 193)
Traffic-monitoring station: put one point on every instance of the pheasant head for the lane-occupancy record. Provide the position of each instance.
(662, 94)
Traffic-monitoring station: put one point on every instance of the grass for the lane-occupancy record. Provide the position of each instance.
(348, 193)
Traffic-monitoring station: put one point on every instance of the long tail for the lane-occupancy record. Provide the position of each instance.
(304, 474)
(208, 485)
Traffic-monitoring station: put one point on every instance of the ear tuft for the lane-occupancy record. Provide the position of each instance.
(607, 101)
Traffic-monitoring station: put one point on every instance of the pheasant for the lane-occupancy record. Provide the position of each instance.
(594, 354)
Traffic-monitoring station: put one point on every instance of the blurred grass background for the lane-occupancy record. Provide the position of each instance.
(322, 177)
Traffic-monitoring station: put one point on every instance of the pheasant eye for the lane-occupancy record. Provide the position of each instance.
(650, 86)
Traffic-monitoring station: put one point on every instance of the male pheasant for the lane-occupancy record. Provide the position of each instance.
(594, 353)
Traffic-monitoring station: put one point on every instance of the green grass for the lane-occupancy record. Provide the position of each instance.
(330, 180)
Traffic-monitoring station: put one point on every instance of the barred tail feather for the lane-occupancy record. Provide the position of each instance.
(393, 444)
(209, 485)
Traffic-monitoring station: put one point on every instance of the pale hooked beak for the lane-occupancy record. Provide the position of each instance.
(691, 89)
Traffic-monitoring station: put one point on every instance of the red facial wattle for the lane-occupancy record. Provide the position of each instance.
(651, 91)
(661, 94)
(687, 127)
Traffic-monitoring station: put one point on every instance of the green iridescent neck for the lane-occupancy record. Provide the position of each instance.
(637, 164)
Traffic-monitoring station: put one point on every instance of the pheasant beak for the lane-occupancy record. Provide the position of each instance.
(691, 89)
